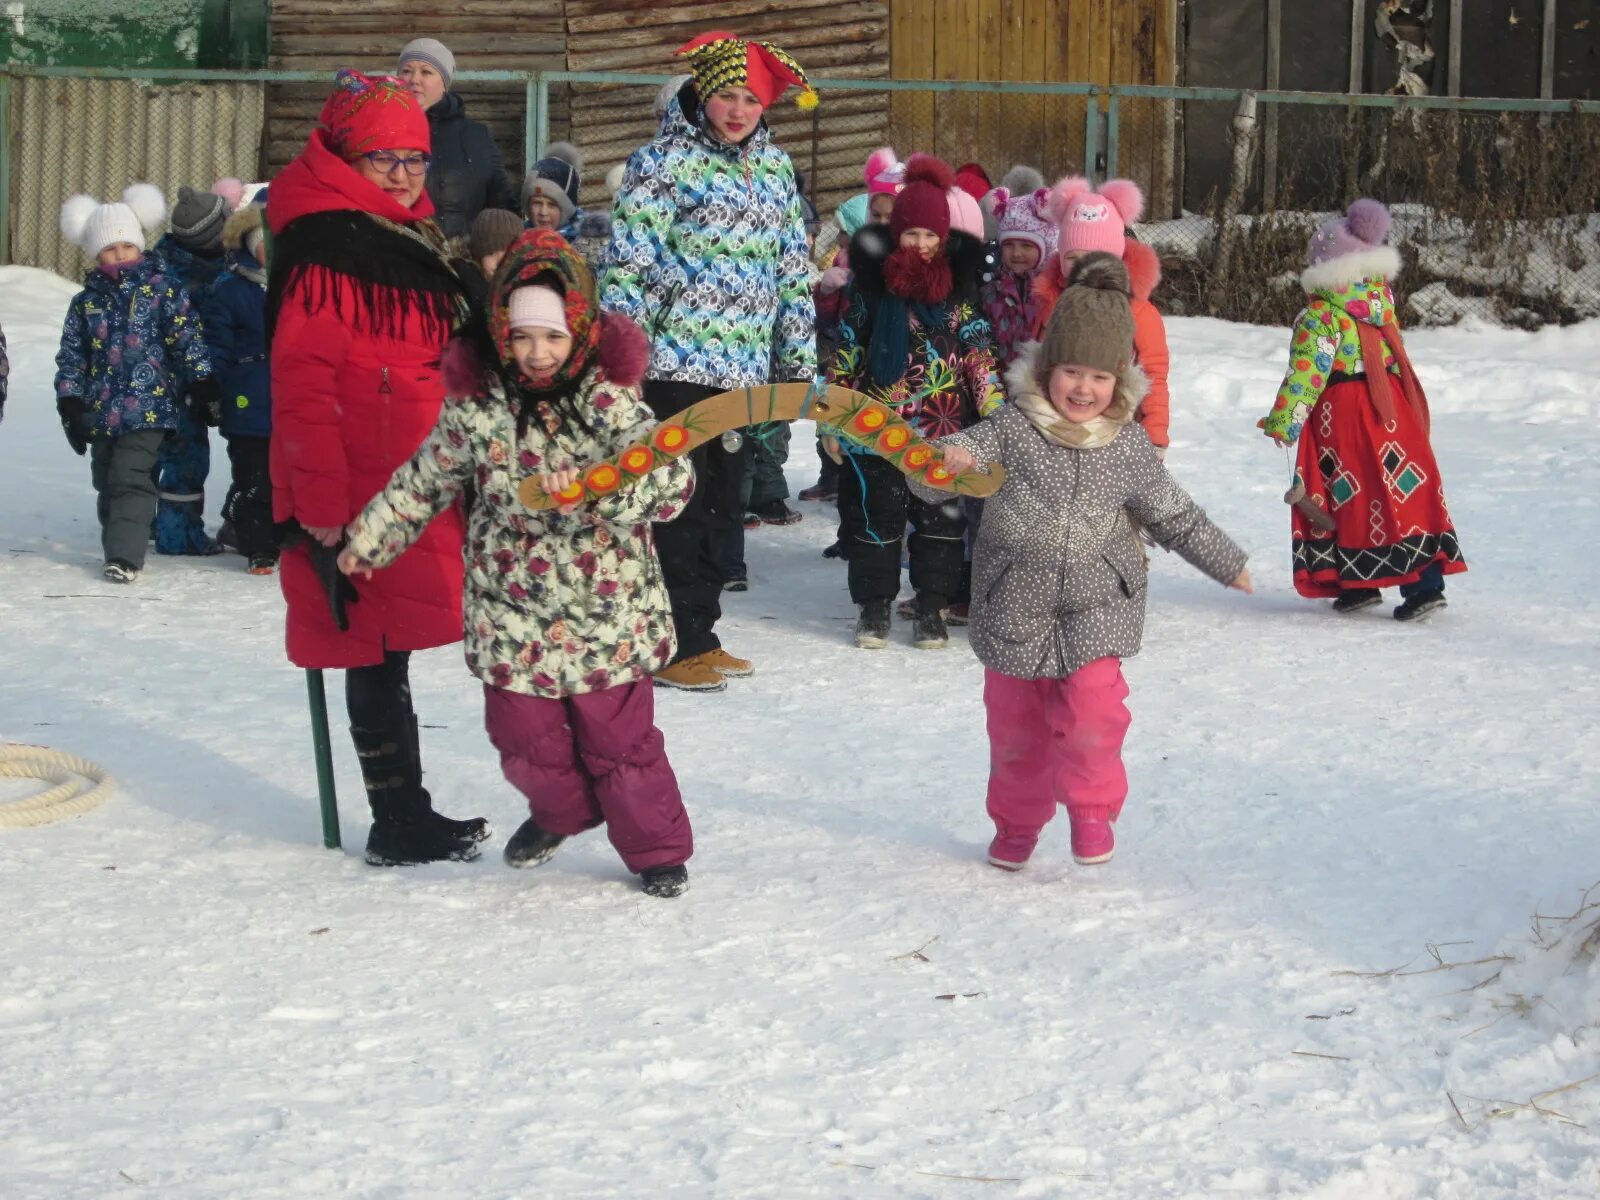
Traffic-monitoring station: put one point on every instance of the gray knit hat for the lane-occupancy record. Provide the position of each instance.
(557, 177)
(1022, 180)
(197, 220)
(492, 231)
(435, 53)
(1092, 324)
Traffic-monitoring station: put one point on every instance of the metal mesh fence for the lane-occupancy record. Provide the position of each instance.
(1495, 211)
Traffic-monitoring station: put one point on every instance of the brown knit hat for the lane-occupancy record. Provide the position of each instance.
(493, 230)
(1092, 324)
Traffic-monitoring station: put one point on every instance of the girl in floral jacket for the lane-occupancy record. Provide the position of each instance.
(909, 339)
(566, 614)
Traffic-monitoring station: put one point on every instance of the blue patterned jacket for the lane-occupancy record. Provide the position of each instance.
(131, 347)
(708, 254)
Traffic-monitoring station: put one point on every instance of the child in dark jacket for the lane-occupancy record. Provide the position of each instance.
(567, 617)
(130, 348)
(910, 338)
(235, 325)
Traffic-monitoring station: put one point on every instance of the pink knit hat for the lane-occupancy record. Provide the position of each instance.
(885, 174)
(965, 213)
(537, 307)
(1093, 220)
(1026, 218)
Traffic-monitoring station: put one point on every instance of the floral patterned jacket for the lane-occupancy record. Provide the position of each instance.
(1325, 344)
(556, 604)
(1013, 310)
(950, 379)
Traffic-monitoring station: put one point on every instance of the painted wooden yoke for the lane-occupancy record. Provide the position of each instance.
(842, 412)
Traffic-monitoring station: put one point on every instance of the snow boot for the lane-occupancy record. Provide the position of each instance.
(1011, 851)
(1092, 841)
(930, 632)
(723, 663)
(117, 571)
(1356, 599)
(471, 828)
(262, 564)
(1419, 605)
(531, 846)
(872, 629)
(736, 585)
(778, 513)
(820, 491)
(665, 882)
(691, 675)
(405, 829)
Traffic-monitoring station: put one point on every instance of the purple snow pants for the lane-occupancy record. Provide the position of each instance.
(596, 757)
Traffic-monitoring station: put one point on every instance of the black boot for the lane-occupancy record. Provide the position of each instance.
(872, 630)
(930, 632)
(1355, 599)
(475, 828)
(1420, 604)
(665, 882)
(531, 846)
(404, 829)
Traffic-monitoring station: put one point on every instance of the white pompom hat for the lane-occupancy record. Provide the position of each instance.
(87, 223)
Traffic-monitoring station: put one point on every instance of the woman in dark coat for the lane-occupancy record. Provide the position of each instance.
(360, 304)
(465, 176)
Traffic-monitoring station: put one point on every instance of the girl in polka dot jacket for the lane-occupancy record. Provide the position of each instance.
(1058, 576)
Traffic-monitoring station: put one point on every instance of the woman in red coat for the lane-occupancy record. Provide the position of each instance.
(360, 305)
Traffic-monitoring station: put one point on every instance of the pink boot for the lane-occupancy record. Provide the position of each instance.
(1092, 841)
(1011, 851)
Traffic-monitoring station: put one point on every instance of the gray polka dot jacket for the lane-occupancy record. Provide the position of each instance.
(1058, 574)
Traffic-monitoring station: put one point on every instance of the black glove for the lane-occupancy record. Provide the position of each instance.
(325, 562)
(205, 401)
(74, 422)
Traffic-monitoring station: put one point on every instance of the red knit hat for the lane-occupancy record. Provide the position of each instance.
(972, 179)
(368, 113)
(922, 202)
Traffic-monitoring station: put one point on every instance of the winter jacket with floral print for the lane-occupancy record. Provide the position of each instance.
(1325, 343)
(130, 348)
(708, 255)
(556, 604)
(950, 380)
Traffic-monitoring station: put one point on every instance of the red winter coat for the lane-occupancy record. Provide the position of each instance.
(1149, 331)
(350, 405)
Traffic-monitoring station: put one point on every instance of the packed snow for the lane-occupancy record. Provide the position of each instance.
(1312, 970)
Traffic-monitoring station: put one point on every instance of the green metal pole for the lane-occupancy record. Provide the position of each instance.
(530, 126)
(5, 168)
(1091, 136)
(324, 753)
(1112, 133)
(541, 130)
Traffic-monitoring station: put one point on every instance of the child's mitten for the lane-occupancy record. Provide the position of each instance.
(74, 423)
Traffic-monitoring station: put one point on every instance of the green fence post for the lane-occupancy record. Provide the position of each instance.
(541, 129)
(5, 168)
(324, 754)
(530, 125)
(1091, 136)
(1111, 136)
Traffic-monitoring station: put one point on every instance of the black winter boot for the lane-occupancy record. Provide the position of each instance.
(475, 828)
(1355, 599)
(872, 630)
(666, 883)
(405, 831)
(930, 632)
(531, 846)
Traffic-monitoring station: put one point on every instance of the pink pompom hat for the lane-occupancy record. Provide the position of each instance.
(1026, 218)
(1091, 220)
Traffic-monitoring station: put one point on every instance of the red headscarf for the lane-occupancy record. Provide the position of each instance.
(373, 113)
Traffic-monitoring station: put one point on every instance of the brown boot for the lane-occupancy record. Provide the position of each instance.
(691, 675)
(723, 663)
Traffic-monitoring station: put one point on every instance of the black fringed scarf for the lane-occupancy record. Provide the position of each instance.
(358, 263)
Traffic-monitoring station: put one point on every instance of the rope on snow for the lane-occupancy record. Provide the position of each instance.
(68, 772)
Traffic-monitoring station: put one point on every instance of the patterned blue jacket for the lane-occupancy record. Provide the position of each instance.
(708, 254)
(130, 348)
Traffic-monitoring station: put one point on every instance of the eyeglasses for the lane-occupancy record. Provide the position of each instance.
(385, 161)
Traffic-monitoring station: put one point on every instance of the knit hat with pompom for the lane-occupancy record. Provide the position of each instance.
(1351, 248)
(1091, 220)
(923, 203)
(91, 225)
(884, 173)
(1092, 324)
(1026, 218)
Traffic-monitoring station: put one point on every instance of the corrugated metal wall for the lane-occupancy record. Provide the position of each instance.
(98, 136)
(484, 35)
(847, 38)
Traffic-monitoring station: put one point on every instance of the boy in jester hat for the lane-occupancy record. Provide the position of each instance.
(1369, 509)
(566, 615)
(709, 255)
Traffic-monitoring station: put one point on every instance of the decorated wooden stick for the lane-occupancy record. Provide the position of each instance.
(844, 413)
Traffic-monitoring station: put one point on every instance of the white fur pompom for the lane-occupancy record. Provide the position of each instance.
(75, 214)
(614, 178)
(567, 153)
(148, 204)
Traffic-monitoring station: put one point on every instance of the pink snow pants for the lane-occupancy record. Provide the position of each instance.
(1056, 741)
(598, 757)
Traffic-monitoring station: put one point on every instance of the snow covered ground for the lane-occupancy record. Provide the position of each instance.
(197, 1000)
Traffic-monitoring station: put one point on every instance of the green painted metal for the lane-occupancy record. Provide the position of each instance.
(322, 748)
(539, 118)
(531, 149)
(1091, 138)
(5, 169)
(1112, 128)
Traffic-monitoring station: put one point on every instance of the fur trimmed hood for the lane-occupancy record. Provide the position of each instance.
(1336, 274)
(621, 357)
(240, 224)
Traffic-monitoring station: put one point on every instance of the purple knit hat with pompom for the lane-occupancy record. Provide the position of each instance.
(1365, 227)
